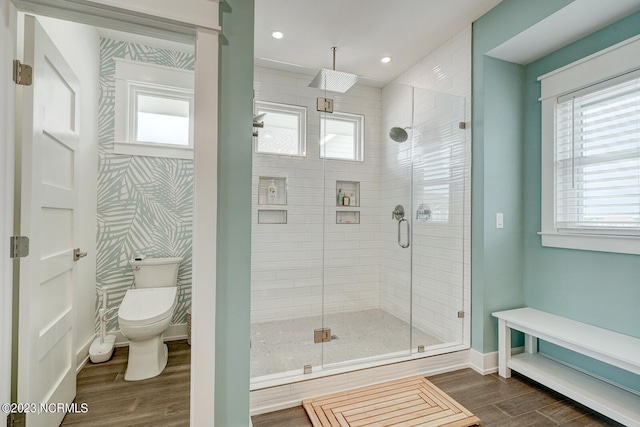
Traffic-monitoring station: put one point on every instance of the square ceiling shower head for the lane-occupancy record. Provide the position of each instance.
(335, 81)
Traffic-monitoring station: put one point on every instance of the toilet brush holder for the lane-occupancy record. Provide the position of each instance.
(101, 348)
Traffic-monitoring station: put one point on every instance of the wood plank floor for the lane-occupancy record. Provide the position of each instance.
(162, 401)
(497, 402)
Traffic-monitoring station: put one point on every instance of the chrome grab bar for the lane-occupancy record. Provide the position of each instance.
(406, 245)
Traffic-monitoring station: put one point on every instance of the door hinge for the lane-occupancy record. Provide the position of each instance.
(19, 246)
(321, 335)
(325, 105)
(17, 419)
(461, 315)
(22, 73)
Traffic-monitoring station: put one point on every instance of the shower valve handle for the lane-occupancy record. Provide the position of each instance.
(398, 213)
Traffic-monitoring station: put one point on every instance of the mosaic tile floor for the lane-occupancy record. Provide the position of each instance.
(287, 345)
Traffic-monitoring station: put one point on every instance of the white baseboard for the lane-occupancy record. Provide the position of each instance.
(82, 355)
(174, 333)
(487, 363)
(289, 395)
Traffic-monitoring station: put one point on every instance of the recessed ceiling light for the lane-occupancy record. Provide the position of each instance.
(277, 34)
(385, 59)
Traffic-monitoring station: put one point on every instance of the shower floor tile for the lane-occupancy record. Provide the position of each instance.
(287, 345)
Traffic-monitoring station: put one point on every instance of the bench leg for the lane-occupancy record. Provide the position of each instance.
(530, 344)
(504, 348)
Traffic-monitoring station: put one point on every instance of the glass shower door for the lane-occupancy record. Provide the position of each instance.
(438, 199)
(367, 254)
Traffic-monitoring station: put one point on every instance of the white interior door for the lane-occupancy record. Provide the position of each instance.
(50, 137)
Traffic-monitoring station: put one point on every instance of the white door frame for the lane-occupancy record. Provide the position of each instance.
(8, 27)
(206, 31)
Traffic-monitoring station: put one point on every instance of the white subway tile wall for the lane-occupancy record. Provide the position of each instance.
(290, 262)
(298, 272)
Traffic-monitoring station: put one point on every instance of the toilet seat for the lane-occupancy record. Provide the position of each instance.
(146, 306)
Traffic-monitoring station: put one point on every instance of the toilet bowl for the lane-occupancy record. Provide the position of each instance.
(146, 313)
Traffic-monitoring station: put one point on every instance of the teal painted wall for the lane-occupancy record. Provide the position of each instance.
(497, 270)
(598, 288)
(234, 213)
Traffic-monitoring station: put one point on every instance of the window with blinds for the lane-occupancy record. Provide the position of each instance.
(597, 158)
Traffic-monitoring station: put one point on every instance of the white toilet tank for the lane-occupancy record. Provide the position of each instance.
(156, 272)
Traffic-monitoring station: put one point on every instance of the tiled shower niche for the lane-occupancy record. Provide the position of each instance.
(272, 191)
(347, 217)
(348, 193)
(272, 216)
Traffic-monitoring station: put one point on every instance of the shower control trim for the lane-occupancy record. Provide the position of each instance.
(423, 214)
(398, 213)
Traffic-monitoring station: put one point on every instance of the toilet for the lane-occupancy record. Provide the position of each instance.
(145, 314)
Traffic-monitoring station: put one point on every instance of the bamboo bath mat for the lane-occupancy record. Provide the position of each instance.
(408, 402)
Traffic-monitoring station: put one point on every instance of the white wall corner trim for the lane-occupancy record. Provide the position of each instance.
(203, 294)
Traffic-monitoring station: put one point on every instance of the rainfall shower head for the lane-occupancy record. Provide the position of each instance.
(335, 81)
(398, 134)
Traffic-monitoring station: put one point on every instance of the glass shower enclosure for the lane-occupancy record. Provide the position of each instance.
(358, 231)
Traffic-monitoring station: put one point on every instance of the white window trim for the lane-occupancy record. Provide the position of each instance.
(132, 76)
(616, 60)
(298, 110)
(358, 119)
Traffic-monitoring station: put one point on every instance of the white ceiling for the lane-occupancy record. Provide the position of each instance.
(573, 22)
(363, 30)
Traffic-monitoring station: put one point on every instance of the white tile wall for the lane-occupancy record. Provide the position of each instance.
(288, 269)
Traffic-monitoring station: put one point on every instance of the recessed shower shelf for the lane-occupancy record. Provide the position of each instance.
(348, 193)
(347, 217)
(272, 190)
(271, 216)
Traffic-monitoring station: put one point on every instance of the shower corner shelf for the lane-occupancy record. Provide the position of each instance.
(272, 190)
(347, 217)
(348, 193)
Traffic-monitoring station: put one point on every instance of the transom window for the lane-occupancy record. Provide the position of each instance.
(154, 110)
(161, 115)
(284, 130)
(342, 136)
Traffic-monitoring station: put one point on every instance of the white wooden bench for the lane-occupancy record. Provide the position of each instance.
(610, 347)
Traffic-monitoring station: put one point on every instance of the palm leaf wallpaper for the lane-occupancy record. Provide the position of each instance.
(145, 204)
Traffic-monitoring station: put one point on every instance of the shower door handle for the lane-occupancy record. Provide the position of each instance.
(404, 245)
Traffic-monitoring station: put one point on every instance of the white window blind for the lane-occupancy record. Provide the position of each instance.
(598, 158)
